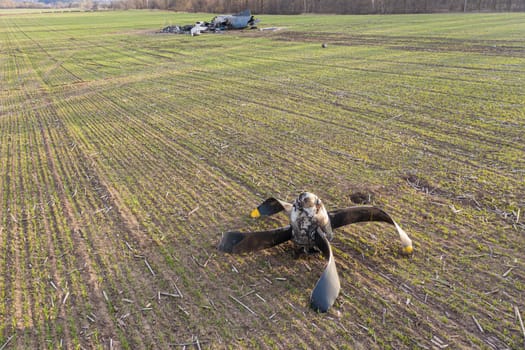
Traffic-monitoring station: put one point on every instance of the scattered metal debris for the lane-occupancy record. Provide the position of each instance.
(300, 212)
(219, 23)
(270, 29)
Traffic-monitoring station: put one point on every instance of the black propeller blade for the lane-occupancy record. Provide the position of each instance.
(327, 287)
(244, 242)
(269, 207)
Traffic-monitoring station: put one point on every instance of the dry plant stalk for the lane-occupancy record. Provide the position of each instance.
(65, 298)
(518, 315)
(149, 267)
(244, 305)
(477, 324)
(7, 342)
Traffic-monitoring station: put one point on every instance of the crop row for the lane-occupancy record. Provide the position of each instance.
(152, 131)
(124, 158)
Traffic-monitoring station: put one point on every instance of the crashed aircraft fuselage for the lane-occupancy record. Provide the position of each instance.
(219, 23)
(237, 21)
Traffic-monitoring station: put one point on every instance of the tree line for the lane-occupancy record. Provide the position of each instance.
(297, 6)
(327, 6)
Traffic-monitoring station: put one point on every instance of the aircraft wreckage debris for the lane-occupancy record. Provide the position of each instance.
(218, 24)
(310, 229)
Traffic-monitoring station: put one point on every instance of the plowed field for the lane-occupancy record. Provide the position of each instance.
(125, 154)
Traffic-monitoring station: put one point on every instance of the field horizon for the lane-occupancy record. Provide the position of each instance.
(125, 154)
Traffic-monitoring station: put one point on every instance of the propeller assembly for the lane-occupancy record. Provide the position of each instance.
(311, 231)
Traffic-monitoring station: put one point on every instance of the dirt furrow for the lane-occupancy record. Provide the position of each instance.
(73, 232)
(444, 152)
(26, 282)
(74, 229)
(50, 254)
(122, 219)
(62, 241)
(168, 122)
(377, 117)
(100, 136)
(8, 239)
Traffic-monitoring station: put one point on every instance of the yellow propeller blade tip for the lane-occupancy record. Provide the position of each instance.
(255, 213)
(408, 250)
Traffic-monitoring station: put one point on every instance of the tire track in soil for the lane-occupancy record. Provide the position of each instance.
(127, 225)
(179, 136)
(159, 211)
(8, 283)
(17, 304)
(213, 164)
(101, 192)
(436, 150)
(25, 289)
(55, 186)
(53, 59)
(125, 221)
(4, 152)
(71, 221)
(129, 129)
(16, 232)
(83, 265)
(104, 319)
(130, 53)
(43, 187)
(205, 152)
(133, 151)
(494, 140)
(25, 90)
(148, 130)
(81, 249)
